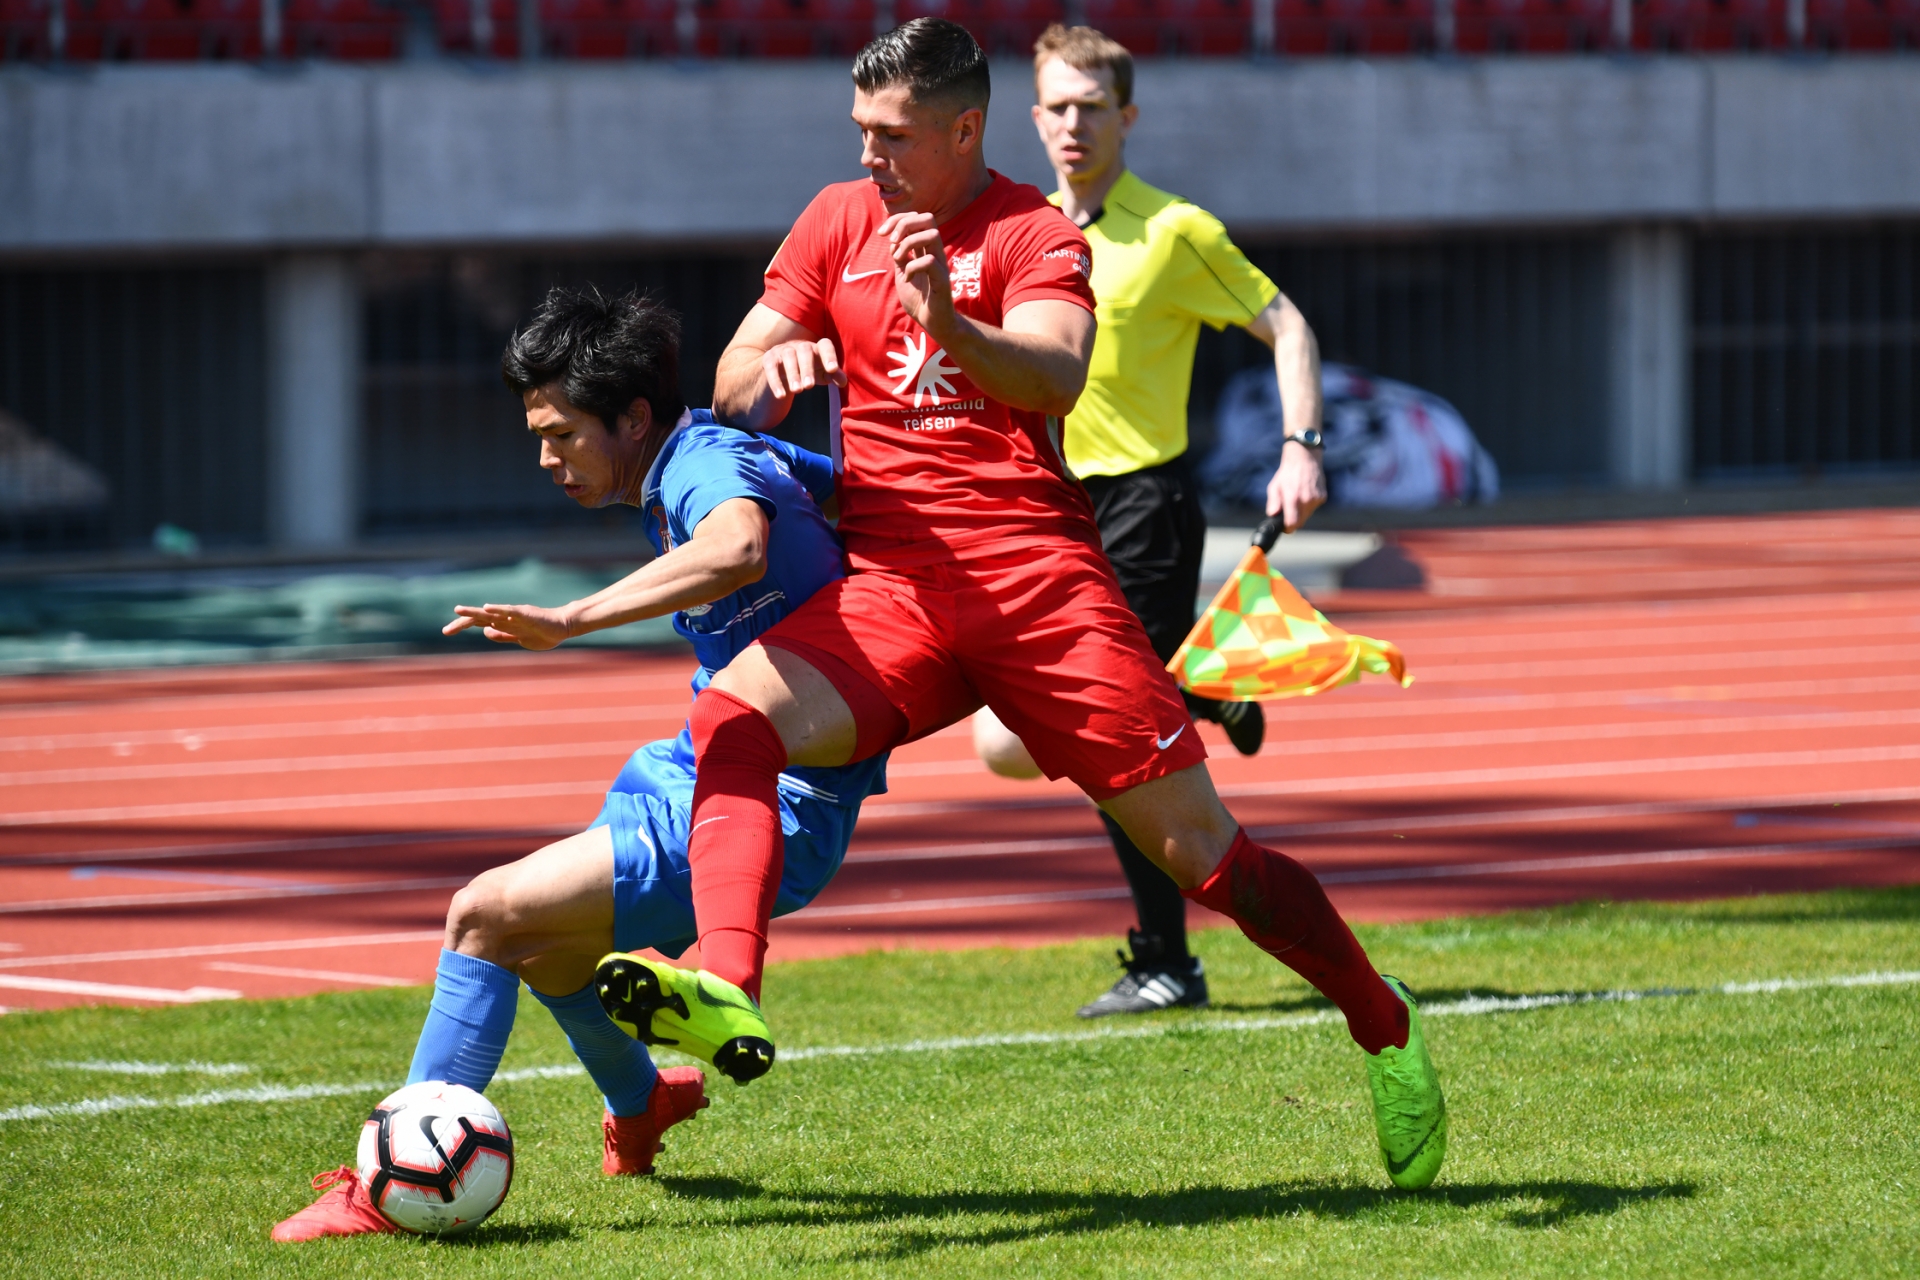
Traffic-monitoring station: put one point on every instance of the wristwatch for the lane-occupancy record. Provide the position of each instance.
(1310, 438)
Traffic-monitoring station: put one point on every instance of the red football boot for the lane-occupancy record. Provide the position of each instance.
(633, 1141)
(344, 1210)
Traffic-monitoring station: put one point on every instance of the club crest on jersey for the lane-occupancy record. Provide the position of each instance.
(927, 375)
(963, 271)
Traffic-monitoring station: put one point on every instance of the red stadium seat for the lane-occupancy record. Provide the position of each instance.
(600, 29)
(1005, 28)
(356, 30)
(1164, 28)
(786, 28)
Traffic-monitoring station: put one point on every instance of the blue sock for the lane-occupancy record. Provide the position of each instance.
(468, 1022)
(618, 1063)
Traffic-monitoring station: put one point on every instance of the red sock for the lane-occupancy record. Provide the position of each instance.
(735, 847)
(1278, 903)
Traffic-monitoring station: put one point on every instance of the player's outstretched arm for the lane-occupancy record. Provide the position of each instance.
(728, 550)
(770, 360)
(1299, 486)
(1036, 360)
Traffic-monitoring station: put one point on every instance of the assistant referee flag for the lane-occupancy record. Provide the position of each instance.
(1260, 639)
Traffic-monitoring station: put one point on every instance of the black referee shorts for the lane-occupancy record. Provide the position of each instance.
(1154, 532)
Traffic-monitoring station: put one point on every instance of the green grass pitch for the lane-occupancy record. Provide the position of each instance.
(1705, 1133)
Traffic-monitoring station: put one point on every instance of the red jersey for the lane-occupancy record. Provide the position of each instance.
(931, 469)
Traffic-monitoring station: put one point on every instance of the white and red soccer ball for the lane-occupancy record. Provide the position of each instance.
(436, 1158)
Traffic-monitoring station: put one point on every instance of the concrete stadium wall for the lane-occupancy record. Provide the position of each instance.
(321, 156)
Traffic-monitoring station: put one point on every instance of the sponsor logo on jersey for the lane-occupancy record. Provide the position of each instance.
(1081, 262)
(927, 375)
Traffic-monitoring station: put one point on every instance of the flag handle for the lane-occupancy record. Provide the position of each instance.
(1269, 533)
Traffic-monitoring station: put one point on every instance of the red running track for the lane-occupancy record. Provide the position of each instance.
(1630, 710)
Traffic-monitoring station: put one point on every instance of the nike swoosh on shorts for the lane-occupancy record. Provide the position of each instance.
(1164, 743)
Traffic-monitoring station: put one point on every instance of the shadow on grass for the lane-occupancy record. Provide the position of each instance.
(917, 1223)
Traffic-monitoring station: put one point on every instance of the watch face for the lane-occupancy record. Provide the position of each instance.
(1310, 437)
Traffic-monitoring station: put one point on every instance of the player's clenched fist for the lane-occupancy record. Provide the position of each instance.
(793, 367)
(527, 625)
(919, 268)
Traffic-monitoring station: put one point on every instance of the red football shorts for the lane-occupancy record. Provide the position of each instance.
(1041, 634)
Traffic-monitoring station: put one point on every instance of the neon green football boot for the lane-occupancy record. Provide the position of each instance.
(706, 1017)
(1409, 1112)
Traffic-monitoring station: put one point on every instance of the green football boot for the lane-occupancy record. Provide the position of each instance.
(1409, 1113)
(706, 1017)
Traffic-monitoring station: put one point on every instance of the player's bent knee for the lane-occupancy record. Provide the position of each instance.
(1000, 749)
(477, 917)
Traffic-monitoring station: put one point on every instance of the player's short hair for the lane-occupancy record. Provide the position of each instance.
(1085, 49)
(937, 60)
(604, 353)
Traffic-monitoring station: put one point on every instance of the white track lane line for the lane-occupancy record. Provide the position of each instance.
(1640, 727)
(601, 689)
(1657, 857)
(268, 945)
(315, 975)
(916, 906)
(1296, 786)
(305, 804)
(1470, 1007)
(1640, 636)
(315, 764)
(1892, 656)
(317, 844)
(198, 738)
(365, 727)
(114, 990)
(117, 901)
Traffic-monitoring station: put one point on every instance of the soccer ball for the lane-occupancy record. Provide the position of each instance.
(436, 1158)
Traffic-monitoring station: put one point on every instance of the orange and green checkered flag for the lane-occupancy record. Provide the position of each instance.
(1260, 639)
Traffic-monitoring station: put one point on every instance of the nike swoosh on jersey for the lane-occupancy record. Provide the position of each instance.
(848, 276)
(1164, 743)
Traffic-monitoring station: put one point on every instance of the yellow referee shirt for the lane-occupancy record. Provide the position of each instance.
(1160, 267)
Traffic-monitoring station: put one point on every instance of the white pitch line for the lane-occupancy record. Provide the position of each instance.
(228, 948)
(214, 1098)
(317, 975)
(117, 901)
(115, 991)
(1470, 1007)
(158, 1068)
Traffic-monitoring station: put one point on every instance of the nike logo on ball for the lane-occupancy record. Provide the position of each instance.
(1164, 743)
(847, 275)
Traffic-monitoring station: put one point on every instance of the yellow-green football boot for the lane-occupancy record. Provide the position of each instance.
(700, 1015)
(1409, 1112)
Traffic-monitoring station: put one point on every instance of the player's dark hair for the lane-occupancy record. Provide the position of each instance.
(604, 353)
(935, 59)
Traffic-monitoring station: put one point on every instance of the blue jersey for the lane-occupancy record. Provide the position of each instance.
(702, 465)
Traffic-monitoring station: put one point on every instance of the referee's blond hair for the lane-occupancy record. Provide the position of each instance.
(1085, 49)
